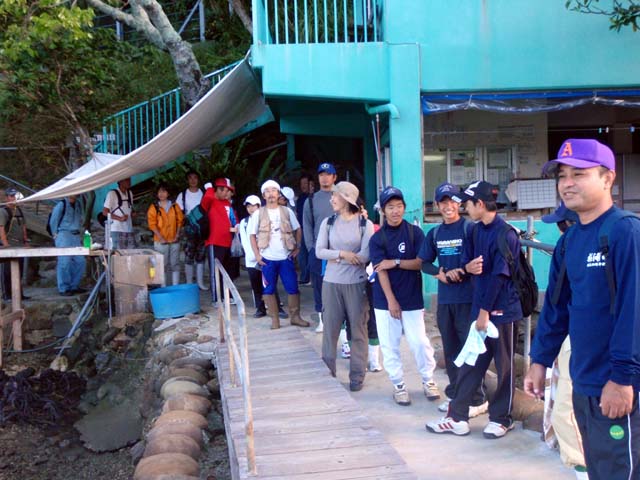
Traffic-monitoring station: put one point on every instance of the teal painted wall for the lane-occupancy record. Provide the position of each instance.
(541, 261)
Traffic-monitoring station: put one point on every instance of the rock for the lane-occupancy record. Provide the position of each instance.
(102, 361)
(137, 451)
(186, 401)
(174, 387)
(207, 347)
(200, 361)
(132, 319)
(110, 335)
(61, 325)
(37, 317)
(204, 338)
(173, 477)
(181, 416)
(36, 337)
(121, 341)
(199, 377)
(524, 406)
(65, 309)
(171, 353)
(213, 385)
(166, 464)
(109, 390)
(174, 443)
(60, 363)
(181, 338)
(534, 421)
(187, 429)
(110, 427)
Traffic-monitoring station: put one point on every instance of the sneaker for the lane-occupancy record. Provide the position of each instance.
(431, 390)
(346, 350)
(448, 425)
(320, 327)
(444, 406)
(282, 313)
(400, 395)
(478, 410)
(495, 430)
(260, 313)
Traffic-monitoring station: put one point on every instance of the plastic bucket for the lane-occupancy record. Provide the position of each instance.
(175, 301)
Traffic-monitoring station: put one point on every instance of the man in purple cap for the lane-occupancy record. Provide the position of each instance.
(495, 308)
(593, 295)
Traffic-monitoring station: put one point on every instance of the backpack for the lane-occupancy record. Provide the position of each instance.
(603, 242)
(196, 224)
(184, 197)
(102, 218)
(64, 210)
(522, 273)
(332, 220)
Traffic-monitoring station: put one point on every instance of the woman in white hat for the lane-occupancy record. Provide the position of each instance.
(343, 240)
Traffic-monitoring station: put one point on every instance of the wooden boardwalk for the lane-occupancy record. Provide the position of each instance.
(307, 426)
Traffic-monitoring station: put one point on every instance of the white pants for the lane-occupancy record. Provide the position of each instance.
(390, 333)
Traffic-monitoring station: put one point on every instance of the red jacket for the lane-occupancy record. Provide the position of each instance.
(219, 223)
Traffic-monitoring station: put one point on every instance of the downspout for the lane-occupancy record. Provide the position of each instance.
(389, 108)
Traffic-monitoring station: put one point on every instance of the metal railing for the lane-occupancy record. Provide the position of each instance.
(238, 351)
(132, 127)
(317, 21)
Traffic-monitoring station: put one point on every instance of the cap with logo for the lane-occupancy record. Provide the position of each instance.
(480, 190)
(252, 200)
(348, 191)
(326, 168)
(223, 182)
(389, 193)
(445, 190)
(561, 214)
(581, 153)
(269, 184)
(288, 193)
(11, 192)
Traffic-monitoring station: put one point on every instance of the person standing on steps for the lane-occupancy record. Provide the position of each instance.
(165, 221)
(66, 228)
(119, 202)
(446, 243)
(194, 250)
(397, 296)
(275, 237)
(316, 209)
(306, 189)
(343, 241)
(11, 219)
(593, 295)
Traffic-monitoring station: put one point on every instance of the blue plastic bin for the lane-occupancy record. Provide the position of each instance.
(175, 301)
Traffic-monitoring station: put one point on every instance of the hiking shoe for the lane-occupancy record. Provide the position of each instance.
(495, 430)
(444, 406)
(346, 350)
(448, 425)
(478, 410)
(260, 314)
(431, 390)
(282, 313)
(401, 396)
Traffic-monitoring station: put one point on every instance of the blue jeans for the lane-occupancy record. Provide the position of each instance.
(286, 270)
(70, 269)
(303, 263)
(315, 268)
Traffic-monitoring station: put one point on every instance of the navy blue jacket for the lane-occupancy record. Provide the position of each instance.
(448, 249)
(603, 346)
(406, 284)
(493, 289)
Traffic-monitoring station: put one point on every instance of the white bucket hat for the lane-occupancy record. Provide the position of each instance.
(252, 200)
(269, 184)
(289, 194)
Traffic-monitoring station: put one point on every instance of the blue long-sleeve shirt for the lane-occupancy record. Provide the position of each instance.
(493, 289)
(72, 219)
(603, 346)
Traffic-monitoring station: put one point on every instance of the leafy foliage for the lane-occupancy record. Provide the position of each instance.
(621, 13)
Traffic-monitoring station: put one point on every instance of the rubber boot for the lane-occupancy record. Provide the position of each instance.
(175, 278)
(272, 309)
(294, 311)
(188, 273)
(320, 327)
(200, 276)
(374, 358)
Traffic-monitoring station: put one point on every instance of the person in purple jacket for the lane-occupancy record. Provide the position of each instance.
(495, 300)
(593, 296)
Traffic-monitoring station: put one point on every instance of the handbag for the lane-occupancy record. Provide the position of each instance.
(236, 246)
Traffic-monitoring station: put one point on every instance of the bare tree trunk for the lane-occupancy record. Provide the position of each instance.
(148, 17)
(241, 11)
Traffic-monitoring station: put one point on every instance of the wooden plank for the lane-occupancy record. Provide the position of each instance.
(389, 472)
(268, 394)
(289, 411)
(16, 287)
(18, 252)
(310, 423)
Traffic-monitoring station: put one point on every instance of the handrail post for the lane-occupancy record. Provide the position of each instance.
(527, 321)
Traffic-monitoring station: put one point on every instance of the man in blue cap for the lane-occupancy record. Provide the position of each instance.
(446, 243)
(594, 296)
(562, 217)
(316, 209)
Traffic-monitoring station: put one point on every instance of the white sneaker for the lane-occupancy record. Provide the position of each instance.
(495, 430)
(478, 410)
(431, 390)
(400, 395)
(444, 406)
(320, 327)
(448, 425)
(346, 350)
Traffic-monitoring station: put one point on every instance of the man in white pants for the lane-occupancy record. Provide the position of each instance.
(397, 296)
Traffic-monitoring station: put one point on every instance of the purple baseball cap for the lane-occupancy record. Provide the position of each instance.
(581, 153)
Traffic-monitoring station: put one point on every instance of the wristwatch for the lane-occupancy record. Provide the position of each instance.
(397, 260)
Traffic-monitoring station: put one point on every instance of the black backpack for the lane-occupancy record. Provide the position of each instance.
(64, 210)
(102, 218)
(196, 224)
(332, 220)
(603, 242)
(522, 273)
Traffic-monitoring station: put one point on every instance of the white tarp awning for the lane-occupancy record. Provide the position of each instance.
(232, 103)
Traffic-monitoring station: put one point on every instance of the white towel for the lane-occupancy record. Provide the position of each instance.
(474, 346)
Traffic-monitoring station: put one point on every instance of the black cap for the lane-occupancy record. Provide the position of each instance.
(480, 190)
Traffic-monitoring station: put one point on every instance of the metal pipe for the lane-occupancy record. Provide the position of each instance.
(389, 108)
(527, 321)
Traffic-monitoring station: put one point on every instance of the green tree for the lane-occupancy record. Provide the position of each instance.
(621, 13)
